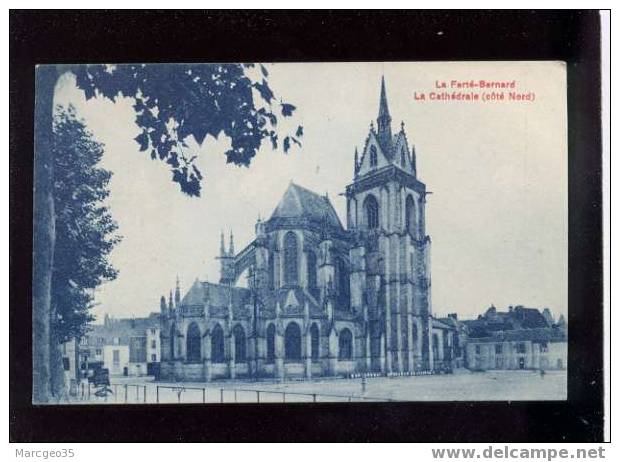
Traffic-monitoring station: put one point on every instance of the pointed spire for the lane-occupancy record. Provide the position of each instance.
(177, 293)
(222, 247)
(384, 128)
(231, 247)
(383, 104)
(170, 302)
(356, 166)
(162, 304)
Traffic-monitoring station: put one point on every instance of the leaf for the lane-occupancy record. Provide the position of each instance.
(264, 90)
(287, 109)
(300, 132)
(143, 140)
(287, 144)
(263, 69)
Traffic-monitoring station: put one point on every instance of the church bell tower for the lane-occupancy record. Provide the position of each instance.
(390, 259)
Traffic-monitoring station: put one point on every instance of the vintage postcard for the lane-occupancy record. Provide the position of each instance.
(300, 232)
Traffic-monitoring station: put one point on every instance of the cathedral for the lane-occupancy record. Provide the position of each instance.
(321, 299)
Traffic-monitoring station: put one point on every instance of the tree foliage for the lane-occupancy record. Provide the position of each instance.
(174, 102)
(85, 230)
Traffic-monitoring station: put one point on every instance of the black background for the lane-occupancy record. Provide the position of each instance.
(139, 36)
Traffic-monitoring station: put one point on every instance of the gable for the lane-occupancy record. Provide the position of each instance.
(401, 152)
(365, 164)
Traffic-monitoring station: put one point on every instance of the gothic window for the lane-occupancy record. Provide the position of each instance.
(410, 215)
(342, 278)
(314, 342)
(311, 261)
(193, 339)
(414, 335)
(271, 343)
(239, 335)
(345, 345)
(371, 207)
(271, 275)
(292, 342)
(172, 340)
(421, 219)
(435, 346)
(402, 157)
(373, 156)
(217, 345)
(290, 258)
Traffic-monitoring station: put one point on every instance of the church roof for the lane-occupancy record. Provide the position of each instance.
(299, 202)
(202, 293)
(541, 334)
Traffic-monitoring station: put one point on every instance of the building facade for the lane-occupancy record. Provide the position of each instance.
(519, 338)
(322, 299)
(126, 347)
(542, 348)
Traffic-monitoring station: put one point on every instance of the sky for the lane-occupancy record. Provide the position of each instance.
(497, 217)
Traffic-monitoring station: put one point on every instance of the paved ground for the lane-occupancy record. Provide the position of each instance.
(461, 386)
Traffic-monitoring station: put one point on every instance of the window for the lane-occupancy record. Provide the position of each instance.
(414, 335)
(98, 352)
(292, 342)
(371, 207)
(116, 357)
(373, 156)
(271, 278)
(65, 364)
(117, 341)
(498, 349)
(194, 353)
(410, 215)
(217, 345)
(172, 341)
(521, 347)
(84, 341)
(314, 342)
(153, 343)
(435, 346)
(478, 349)
(499, 362)
(342, 278)
(153, 331)
(271, 343)
(403, 163)
(239, 335)
(290, 258)
(311, 263)
(153, 358)
(345, 345)
(100, 340)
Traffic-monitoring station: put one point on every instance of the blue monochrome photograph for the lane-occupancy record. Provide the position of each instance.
(300, 233)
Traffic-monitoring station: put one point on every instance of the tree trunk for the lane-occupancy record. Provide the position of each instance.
(57, 371)
(44, 232)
